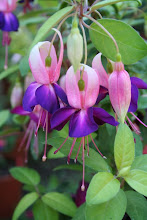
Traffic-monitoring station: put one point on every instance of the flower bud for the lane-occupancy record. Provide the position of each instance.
(75, 46)
(16, 95)
(120, 90)
(48, 61)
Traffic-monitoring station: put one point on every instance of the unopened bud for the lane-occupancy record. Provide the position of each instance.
(16, 95)
(81, 84)
(75, 46)
(109, 67)
(48, 61)
(118, 57)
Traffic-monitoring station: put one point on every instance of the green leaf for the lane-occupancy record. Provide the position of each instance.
(51, 154)
(25, 175)
(60, 202)
(138, 145)
(7, 72)
(20, 119)
(24, 65)
(24, 203)
(124, 149)
(4, 115)
(80, 213)
(31, 188)
(94, 161)
(43, 211)
(110, 2)
(131, 46)
(136, 205)
(69, 167)
(140, 163)
(137, 179)
(51, 22)
(102, 188)
(113, 209)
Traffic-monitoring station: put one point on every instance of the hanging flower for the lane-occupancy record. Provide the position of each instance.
(8, 23)
(44, 91)
(82, 91)
(26, 5)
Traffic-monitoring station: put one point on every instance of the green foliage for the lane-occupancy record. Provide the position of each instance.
(112, 209)
(51, 154)
(130, 50)
(43, 211)
(124, 149)
(4, 115)
(140, 163)
(80, 213)
(60, 202)
(103, 187)
(94, 161)
(7, 72)
(138, 145)
(24, 203)
(25, 175)
(136, 205)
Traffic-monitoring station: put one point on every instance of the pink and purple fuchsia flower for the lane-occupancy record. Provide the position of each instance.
(8, 23)
(82, 90)
(45, 91)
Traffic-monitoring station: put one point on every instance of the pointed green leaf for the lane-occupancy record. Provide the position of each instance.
(80, 213)
(140, 163)
(136, 205)
(25, 175)
(114, 209)
(24, 203)
(103, 187)
(43, 211)
(131, 46)
(137, 179)
(4, 115)
(124, 149)
(110, 2)
(60, 202)
(51, 154)
(94, 161)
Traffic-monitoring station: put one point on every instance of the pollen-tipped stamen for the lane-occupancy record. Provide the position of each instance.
(83, 158)
(61, 145)
(97, 147)
(133, 126)
(75, 160)
(6, 57)
(138, 119)
(87, 147)
(28, 144)
(72, 146)
(46, 132)
(38, 125)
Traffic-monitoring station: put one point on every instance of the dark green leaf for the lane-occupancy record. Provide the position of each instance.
(69, 167)
(7, 72)
(4, 115)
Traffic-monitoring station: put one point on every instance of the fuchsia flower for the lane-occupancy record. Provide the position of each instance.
(45, 91)
(84, 118)
(136, 84)
(8, 22)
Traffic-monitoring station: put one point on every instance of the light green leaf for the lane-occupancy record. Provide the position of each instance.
(140, 163)
(94, 161)
(4, 115)
(137, 179)
(80, 213)
(7, 72)
(25, 175)
(60, 202)
(24, 203)
(69, 167)
(138, 145)
(131, 50)
(136, 205)
(51, 154)
(102, 188)
(124, 149)
(43, 211)
(113, 209)
(110, 2)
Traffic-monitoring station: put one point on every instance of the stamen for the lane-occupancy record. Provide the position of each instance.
(87, 147)
(138, 119)
(40, 116)
(83, 158)
(44, 156)
(75, 160)
(97, 148)
(6, 57)
(61, 145)
(28, 144)
(72, 146)
(35, 146)
(133, 126)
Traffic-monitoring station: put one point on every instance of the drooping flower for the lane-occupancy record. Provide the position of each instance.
(136, 84)
(8, 23)
(44, 91)
(82, 91)
(26, 4)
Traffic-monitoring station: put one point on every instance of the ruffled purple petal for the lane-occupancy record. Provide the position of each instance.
(11, 22)
(101, 117)
(139, 83)
(2, 20)
(102, 94)
(60, 93)
(29, 99)
(82, 123)
(134, 99)
(61, 117)
(47, 98)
